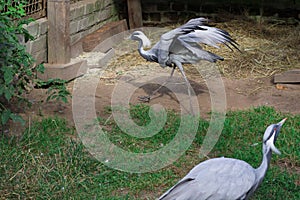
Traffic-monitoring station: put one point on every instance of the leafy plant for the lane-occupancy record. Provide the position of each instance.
(57, 89)
(15, 62)
(18, 71)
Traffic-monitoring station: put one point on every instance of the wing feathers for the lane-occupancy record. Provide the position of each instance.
(210, 36)
(194, 31)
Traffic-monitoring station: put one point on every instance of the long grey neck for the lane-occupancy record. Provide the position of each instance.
(262, 169)
(141, 50)
(140, 47)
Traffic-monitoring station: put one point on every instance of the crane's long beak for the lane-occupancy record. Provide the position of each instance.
(282, 122)
(128, 37)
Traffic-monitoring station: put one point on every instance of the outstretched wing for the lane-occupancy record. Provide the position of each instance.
(208, 35)
(188, 36)
(220, 178)
(168, 38)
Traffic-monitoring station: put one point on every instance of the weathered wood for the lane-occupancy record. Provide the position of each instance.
(58, 14)
(291, 76)
(69, 71)
(92, 40)
(134, 13)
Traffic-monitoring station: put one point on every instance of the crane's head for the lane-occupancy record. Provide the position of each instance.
(271, 135)
(140, 36)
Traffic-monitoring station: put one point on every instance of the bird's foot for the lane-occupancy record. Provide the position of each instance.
(144, 98)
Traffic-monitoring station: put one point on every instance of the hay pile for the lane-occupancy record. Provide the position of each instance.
(266, 49)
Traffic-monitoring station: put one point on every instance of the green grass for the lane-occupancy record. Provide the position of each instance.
(49, 162)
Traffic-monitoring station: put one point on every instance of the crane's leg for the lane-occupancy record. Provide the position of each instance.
(179, 65)
(148, 98)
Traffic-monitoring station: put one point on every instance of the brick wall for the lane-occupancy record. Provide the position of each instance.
(89, 15)
(85, 17)
(38, 47)
(173, 11)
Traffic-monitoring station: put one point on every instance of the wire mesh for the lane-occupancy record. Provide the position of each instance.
(74, 1)
(35, 8)
(38, 8)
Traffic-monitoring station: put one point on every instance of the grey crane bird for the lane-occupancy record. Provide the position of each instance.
(181, 46)
(225, 178)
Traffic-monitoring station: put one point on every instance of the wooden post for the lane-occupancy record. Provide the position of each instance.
(290, 76)
(135, 13)
(59, 47)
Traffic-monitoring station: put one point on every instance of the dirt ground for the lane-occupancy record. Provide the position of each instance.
(240, 94)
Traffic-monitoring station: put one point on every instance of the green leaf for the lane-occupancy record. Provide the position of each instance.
(28, 72)
(5, 115)
(8, 75)
(8, 94)
(17, 118)
(64, 99)
(27, 36)
(40, 68)
(12, 9)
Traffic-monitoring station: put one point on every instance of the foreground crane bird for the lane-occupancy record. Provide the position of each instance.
(181, 46)
(225, 178)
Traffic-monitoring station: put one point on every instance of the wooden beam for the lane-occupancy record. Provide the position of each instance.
(59, 42)
(134, 14)
(291, 76)
(69, 71)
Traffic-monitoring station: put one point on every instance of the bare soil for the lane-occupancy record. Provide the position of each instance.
(240, 94)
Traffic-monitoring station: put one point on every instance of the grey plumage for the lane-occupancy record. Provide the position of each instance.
(225, 178)
(181, 45)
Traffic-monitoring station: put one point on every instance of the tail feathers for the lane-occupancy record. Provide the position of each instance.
(201, 54)
(214, 57)
(206, 55)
